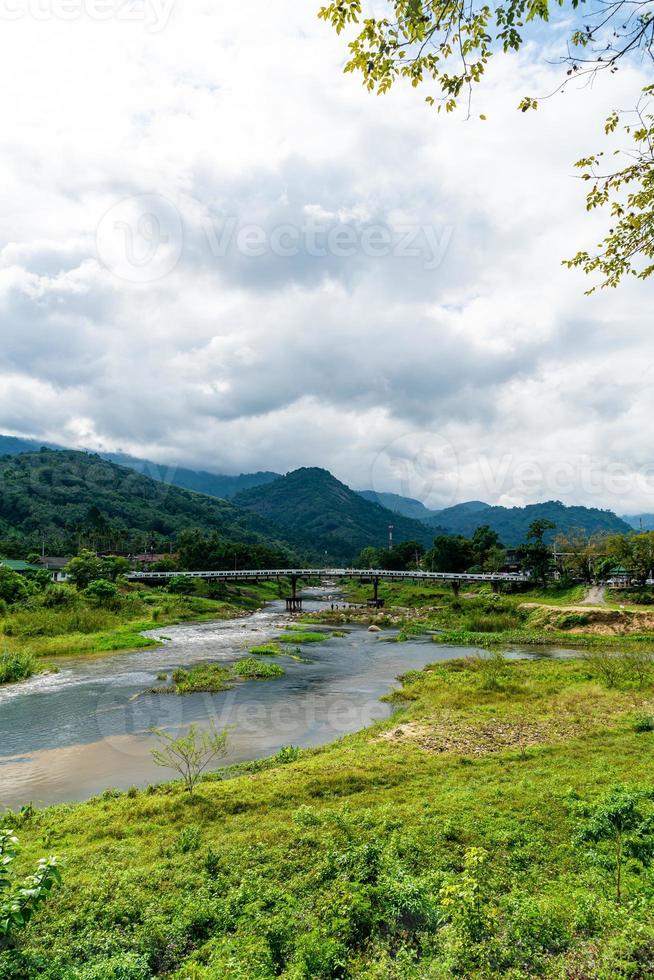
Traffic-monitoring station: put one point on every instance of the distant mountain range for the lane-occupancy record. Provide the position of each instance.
(511, 523)
(316, 513)
(640, 522)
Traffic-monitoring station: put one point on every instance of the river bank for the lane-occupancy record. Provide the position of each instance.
(543, 616)
(75, 627)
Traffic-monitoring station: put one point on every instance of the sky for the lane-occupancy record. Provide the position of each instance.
(217, 250)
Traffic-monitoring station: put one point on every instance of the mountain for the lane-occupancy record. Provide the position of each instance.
(214, 484)
(406, 506)
(12, 445)
(640, 522)
(318, 513)
(69, 496)
(512, 523)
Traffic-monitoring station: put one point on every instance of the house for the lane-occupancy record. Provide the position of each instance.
(56, 565)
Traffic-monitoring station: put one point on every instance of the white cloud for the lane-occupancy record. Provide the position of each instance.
(273, 355)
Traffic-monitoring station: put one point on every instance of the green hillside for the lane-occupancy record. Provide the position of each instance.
(512, 523)
(72, 497)
(320, 514)
(213, 484)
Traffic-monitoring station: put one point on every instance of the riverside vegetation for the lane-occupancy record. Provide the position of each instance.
(39, 620)
(474, 834)
(501, 823)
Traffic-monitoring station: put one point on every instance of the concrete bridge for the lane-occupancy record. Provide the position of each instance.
(372, 575)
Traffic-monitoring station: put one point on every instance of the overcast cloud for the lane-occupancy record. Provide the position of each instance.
(219, 251)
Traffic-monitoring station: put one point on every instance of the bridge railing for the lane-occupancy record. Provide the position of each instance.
(258, 573)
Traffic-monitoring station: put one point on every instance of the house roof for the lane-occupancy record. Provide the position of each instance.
(17, 566)
(53, 561)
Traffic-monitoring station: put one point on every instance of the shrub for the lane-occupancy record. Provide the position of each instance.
(570, 620)
(124, 966)
(189, 839)
(102, 593)
(181, 585)
(643, 722)
(16, 666)
(189, 755)
(606, 664)
(13, 587)
(494, 670)
(19, 900)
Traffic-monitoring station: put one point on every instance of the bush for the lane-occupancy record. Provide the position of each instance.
(102, 593)
(124, 966)
(16, 666)
(189, 839)
(58, 597)
(181, 585)
(643, 722)
(13, 587)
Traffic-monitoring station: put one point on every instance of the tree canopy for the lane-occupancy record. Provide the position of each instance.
(449, 44)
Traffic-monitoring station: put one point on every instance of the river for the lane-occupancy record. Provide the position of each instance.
(69, 735)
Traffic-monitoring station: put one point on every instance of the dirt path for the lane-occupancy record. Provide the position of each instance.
(596, 596)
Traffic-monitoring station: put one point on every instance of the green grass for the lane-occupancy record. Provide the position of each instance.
(331, 863)
(299, 636)
(218, 677)
(201, 677)
(267, 650)
(251, 668)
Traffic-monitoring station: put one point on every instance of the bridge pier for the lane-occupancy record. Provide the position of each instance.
(456, 588)
(294, 602)
(496, 587)
(376, 602)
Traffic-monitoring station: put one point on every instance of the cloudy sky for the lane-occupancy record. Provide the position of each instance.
(219, 251)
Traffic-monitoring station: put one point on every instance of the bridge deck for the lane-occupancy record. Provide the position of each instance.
(358, 573)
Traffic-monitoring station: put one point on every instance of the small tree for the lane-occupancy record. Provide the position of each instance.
(619, 833)
(102, 592)
(19, 901)
(86, 568)
(13, 587)
(190, 754)
(181, 585)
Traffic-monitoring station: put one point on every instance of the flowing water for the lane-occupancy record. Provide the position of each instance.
(70, 735)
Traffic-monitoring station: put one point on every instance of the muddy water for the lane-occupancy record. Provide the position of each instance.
(70, 735)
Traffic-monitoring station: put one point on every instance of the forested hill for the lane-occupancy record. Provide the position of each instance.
(71, 497)
(214, 484)
(512, 523)
(318, 512)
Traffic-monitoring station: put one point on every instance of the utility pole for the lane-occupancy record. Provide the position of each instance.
(390, 536)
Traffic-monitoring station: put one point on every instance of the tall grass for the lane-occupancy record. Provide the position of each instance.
(16, 665)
